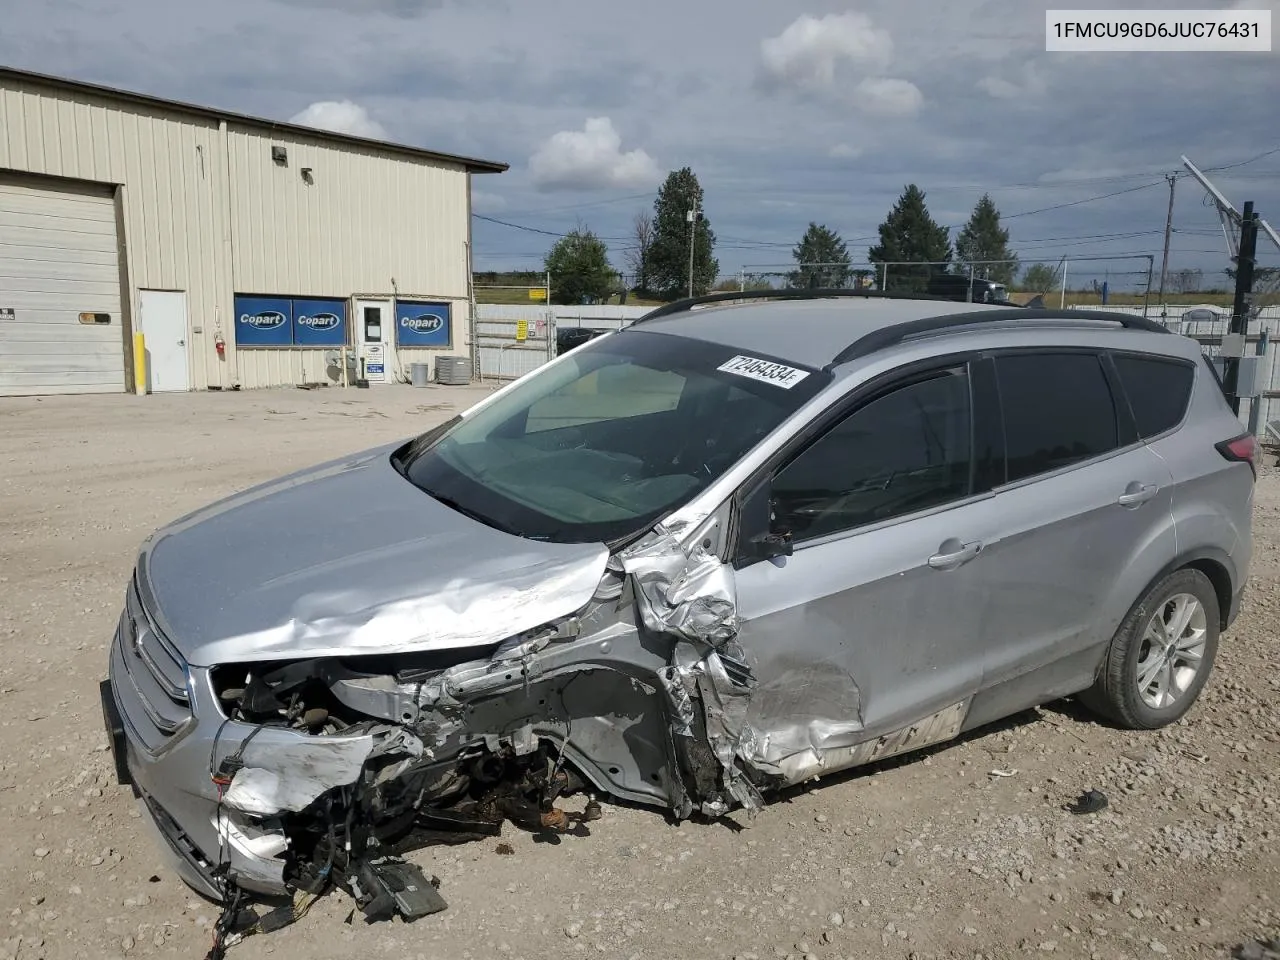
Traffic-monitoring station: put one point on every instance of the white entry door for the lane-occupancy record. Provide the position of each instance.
(375, 340)
(163, 322)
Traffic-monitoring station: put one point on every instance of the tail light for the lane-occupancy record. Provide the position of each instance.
(1241, 449)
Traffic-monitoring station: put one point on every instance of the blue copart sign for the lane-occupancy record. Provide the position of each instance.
(420, 324)
(319, 323)
(264, 322)
(290, 322)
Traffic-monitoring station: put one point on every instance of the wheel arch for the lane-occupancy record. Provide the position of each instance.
(1216, 565)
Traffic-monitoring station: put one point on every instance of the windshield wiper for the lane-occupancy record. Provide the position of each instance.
(453, 504)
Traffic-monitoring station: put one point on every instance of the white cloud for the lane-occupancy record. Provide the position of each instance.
(806, 56)
(590, 158)
(999, 88)
(888, 97)
(484, 202)
(341, 117)
(1031, 85)
(842, 151)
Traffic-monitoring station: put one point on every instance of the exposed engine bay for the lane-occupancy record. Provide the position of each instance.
(642, 696)
(340, 765)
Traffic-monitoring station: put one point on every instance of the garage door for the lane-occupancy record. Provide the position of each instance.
(59, 291)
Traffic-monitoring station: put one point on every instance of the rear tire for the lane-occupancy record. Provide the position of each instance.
(1161, 657)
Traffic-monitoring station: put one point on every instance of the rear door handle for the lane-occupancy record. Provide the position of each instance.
(1137, 494)
(952, 553)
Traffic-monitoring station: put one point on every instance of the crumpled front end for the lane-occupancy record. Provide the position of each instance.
(294, 775)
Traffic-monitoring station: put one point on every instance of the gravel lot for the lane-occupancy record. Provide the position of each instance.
(929, 855)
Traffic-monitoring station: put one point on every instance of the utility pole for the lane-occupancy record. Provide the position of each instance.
(1243, 252)
(1168, 232)
(1240, 307)
(692, 217)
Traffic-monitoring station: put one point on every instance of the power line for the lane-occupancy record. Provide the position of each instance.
(548, 233)
(1241, 163)
(744, 243)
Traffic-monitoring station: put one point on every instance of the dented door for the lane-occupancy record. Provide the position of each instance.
(873, 626)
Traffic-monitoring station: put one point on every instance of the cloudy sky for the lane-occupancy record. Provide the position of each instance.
(787, 111)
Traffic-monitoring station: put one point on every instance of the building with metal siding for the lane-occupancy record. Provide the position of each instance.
(207, 212)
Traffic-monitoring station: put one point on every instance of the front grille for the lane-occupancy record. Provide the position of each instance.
(149, 677)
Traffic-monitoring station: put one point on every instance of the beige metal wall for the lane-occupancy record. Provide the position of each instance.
(169, 171)
(207, 211)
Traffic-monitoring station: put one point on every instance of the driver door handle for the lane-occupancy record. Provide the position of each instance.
(952, 553)
(1136, 494)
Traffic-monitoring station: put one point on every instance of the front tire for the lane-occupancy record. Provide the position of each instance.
(1161, 657)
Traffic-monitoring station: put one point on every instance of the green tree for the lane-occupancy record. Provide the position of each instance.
(822, 260)
(1039, 278)
(579, 267)
(982, 238)
(668, 261)
(910, 235)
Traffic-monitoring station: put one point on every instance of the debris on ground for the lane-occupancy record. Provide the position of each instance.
(1258, 950)
(1091, 801)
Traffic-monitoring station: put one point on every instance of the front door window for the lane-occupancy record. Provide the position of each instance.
(905, 451)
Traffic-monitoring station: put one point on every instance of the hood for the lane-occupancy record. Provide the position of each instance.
(349, 558)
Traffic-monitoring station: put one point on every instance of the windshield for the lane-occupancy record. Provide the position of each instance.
(601, 445)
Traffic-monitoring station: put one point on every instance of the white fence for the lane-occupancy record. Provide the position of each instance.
(500, 354)
(1208, 324)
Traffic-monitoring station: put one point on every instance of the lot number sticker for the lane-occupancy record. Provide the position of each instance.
(764, 371)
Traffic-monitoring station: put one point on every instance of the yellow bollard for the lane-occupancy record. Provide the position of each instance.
(139, 364)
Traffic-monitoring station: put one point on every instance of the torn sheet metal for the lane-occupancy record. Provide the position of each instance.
(689, 595)
(726, 696)
(290, 776)
(261, 850)
(680, 688)
(938, 727)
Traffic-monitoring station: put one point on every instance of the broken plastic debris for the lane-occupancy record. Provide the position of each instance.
(1091, 801)
(1003, 773)
(390, 886)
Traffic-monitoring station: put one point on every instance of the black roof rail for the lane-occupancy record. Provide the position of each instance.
(889, 336)
(680, 306)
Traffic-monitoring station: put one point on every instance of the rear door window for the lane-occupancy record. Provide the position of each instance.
(1058, 411)
(1158, 389)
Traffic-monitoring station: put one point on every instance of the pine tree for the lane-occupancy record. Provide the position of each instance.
(910, 235)
(668, 261)
(822, 260)
(579, 268)
(984, 239)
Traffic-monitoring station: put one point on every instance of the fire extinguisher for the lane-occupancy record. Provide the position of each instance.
(220, 346)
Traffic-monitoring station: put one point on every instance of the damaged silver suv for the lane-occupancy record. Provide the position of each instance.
(730, 548)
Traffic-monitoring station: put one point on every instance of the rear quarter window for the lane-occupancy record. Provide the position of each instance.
(1158, 389)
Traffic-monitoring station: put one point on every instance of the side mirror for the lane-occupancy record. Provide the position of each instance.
(761, 536)
(767, 546)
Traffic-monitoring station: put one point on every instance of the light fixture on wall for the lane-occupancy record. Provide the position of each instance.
(280, 155)
(306, 175)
